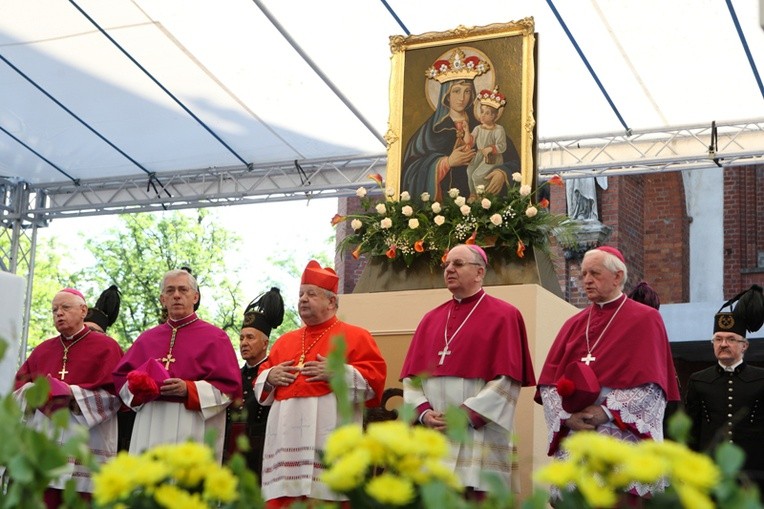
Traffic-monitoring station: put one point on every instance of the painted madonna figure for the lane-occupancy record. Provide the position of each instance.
(438, 153)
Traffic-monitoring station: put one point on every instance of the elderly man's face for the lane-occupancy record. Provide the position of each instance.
(729, 347)
(252, 344)
(600, 283)
(179, 297)
(314, 305)
(462, 273)
(68, 313)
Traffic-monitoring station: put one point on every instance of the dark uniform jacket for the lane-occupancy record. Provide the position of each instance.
(729, 406)
(250, 418)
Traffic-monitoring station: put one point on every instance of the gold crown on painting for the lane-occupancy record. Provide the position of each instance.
(458, 67)
(492, 98)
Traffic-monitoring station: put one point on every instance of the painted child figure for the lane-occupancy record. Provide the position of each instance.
(489, 137)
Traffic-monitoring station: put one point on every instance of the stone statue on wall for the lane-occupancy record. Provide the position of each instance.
(582, 197)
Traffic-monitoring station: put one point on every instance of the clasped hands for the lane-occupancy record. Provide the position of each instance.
(285, 373)
(587, 419)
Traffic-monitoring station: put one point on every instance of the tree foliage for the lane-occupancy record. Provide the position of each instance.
(136, 255)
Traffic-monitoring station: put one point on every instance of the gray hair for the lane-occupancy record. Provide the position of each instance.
(329, 294)
(179, 272)
(613, 264)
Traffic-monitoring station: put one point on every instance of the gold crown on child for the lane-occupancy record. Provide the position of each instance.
(492, 98)
(458, 67)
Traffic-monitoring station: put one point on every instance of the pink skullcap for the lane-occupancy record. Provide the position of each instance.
(613, 251)
(324, 278)
(74, 292)
(479, 250)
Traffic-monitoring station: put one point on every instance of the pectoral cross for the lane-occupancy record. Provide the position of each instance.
(63, 372)
(443, 354)
(167, 360)
(588, 359)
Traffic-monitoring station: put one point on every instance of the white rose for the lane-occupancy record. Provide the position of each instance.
(407, 211)
(360, 192)
(485, 203)
(356, 224)
(479, 190)
(425, 196)
(405, 196)
(453, 192)
(381, 209)
(390, 191)
(439, 220)
(460, 200)
(465, 210)
(496, 219)
(386, 223)
(517, 176)
(525, 190)
(531, 211)
(435, 207)
(413, 223)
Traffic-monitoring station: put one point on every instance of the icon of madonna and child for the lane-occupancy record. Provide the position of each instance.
(461, 145)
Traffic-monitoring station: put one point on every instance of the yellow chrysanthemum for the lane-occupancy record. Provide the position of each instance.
(390, 489)
(118, 478)
(172, 497)
(557, 473)
(412, 466)
(341, 441)
(220, 485)
(696, 470)
(600, 452)
(150, 473)
(595, 492)
(641, 467)
(693, 498)
(429, 442)
(348, 472)
(393, 436)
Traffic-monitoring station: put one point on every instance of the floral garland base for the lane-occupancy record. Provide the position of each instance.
(380, 275)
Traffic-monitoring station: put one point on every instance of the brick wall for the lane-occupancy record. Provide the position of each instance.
(743, 227)
(348, 268)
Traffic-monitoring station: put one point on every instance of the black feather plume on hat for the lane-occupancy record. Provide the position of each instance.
(106, 309)
(748, 314)
(266, 312)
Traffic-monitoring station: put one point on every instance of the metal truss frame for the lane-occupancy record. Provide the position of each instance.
(25, 207)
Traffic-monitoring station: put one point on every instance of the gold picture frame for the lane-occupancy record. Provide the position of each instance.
(430, 69)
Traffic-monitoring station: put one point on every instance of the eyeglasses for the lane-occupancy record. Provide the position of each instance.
(731, 341)
(458, 264)
(170, 290)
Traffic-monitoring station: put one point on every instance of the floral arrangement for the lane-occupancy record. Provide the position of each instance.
(599, 468)
(388, 465)
(406, 229)
(177, 475)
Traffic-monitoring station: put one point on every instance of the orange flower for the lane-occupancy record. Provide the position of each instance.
(357, 252)
(556, 180)
(419, 246)
(445, 255)
(520, 249)
(376, 177)
(544, 203)
(337, 219)
(391, 252)
(472, 238)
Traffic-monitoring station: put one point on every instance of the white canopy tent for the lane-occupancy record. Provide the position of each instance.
(112, 106)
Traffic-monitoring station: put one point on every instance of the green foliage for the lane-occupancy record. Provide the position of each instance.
(136, 255)
(32, 459)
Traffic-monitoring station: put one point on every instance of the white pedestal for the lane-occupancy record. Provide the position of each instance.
(11, 317)
(392, 317)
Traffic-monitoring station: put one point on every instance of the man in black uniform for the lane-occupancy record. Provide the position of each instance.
(726, 401)
(248, 416)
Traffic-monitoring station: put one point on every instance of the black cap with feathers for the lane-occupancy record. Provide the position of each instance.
(748, 314)
(265, 312)
(106, 309)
